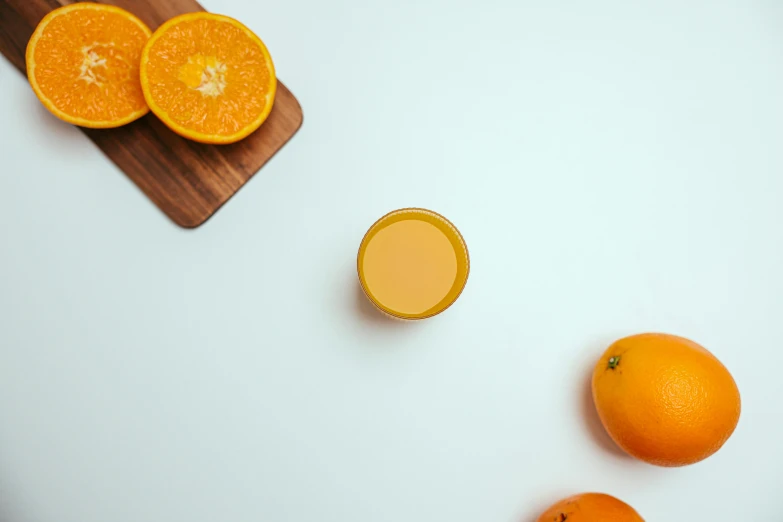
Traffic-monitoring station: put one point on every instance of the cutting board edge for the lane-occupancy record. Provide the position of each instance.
(197, 223)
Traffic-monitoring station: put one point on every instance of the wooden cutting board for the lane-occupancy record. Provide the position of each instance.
(188, 181)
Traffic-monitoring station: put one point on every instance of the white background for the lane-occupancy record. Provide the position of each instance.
(614, 169)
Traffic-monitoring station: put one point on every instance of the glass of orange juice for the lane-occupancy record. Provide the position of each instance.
(413, 263)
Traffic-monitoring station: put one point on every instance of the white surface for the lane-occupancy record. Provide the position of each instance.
(614, 169)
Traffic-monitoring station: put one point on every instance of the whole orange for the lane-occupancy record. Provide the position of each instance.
(665, 399)
(590, 507)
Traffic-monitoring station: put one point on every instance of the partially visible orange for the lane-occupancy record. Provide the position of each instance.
(664, 399)
(590, 507)
(208, 78)
(83, 64)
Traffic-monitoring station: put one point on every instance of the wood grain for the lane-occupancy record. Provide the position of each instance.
(188, 181)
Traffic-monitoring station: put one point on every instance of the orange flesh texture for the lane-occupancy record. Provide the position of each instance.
(669, 401)
(409, 266)
(209, 76)
(590, 507)
(86, 65)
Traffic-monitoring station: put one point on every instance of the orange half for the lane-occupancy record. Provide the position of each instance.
(208, 78)
(83, 64)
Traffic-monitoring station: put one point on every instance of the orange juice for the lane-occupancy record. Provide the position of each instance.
(413, 264)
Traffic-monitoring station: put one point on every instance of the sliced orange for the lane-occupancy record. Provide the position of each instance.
(208, 78)
(83, 64)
